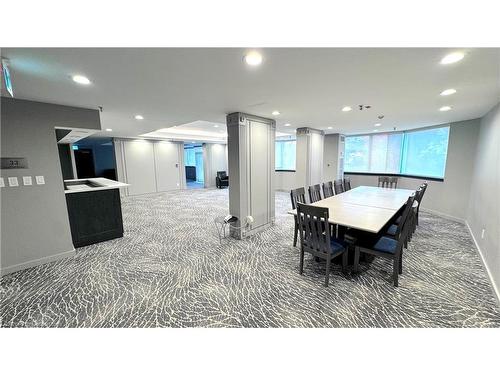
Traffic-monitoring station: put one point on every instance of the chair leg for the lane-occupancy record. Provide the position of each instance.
(356, 259)
(295, 233)
(395, 271)
(401, 262)
(301, 265)
(344, 261)
(327, 276)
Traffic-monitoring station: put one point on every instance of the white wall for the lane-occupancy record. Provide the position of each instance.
(484, 203)
(450, 197)
(149, 166)
(285, 181)
(215, 159)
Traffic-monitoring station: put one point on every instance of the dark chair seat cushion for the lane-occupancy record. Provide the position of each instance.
(392, 230)
(337, 245)
(386, 245)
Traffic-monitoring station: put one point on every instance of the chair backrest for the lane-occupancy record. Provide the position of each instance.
(403, 223)
(314, 234)
(393, 182)
(297, 195)
(314, 193)
(347, 183)
(221, 174)
(328, 189)
(424, 188)
(337, 185)
(383, 181)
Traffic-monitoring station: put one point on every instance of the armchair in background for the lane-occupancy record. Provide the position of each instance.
(222, 180)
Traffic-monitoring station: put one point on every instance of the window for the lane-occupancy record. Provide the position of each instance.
(412, 153)
(285, 155)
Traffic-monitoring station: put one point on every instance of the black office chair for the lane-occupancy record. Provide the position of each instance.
(221, 180)
(297, 195)
(328, 189)
(316, 238)
(386, 247)
(347, 183)
(314, 193)
(337, 185)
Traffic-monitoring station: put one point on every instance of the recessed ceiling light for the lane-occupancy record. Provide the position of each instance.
(375, 130)
(216, 126)
(139, 117)
(276, 113)
(109, 130)
(81, 80)
(377, 124)
(452, 58)
(253, 58)
(330, 127)
(445, 108)
(346, 109)
(286, 125)
(448, 92)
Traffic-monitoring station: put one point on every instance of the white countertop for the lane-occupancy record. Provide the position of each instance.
(101, 182)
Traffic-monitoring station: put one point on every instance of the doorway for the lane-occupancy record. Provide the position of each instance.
(193, 161)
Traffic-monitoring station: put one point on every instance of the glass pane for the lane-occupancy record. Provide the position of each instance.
(357, 154)
(285, 155)
(425, 152)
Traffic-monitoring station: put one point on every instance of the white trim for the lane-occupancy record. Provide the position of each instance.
(37, 262)
(490, 276)
(446, 216)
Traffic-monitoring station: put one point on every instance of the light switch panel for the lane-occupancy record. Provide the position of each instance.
(13, 181)
(40, 180)
(27, 181)
(2, 182)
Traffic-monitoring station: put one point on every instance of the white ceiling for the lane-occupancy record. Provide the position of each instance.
(309, 87)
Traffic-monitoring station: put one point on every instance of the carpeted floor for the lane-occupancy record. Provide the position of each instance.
(169, 270)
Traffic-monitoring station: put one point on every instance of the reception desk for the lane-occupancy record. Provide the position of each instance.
(94, 209)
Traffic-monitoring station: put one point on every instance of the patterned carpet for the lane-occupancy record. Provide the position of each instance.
(169, 270)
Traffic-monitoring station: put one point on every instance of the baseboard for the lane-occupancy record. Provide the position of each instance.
(446, 216)
(37, 262)
(490, 276)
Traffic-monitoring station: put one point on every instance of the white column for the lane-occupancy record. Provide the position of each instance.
(333, 162)
(309, 160)
(251, 172)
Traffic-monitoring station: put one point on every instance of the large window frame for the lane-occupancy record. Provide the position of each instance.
(276, 169)
(403, 154)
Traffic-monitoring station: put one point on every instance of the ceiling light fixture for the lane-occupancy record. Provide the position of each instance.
(286, 125)
(139, 117)
(445, 108)
(216, 126)
(452, 58)
(448, 92)
(276, 113)
(109, 130)
(346, 109)
(330, 127)
(377, 124)
(82, 80)
(253, 58)
(375, 130)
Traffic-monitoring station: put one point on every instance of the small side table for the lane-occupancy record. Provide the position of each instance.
(221, 225)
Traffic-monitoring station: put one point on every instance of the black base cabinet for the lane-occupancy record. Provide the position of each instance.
(94, 216)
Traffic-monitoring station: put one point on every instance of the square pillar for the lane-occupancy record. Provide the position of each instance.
(333, 163)
(309, 168)
(250, 147)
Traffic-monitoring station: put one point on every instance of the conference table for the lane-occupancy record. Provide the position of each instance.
(366, 208)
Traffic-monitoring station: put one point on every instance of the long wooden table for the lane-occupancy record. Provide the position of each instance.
(366, 208)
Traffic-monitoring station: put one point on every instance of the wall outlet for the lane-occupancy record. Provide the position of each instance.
(27, 181)
(482, 233)
(13, 181)
(40, 180)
